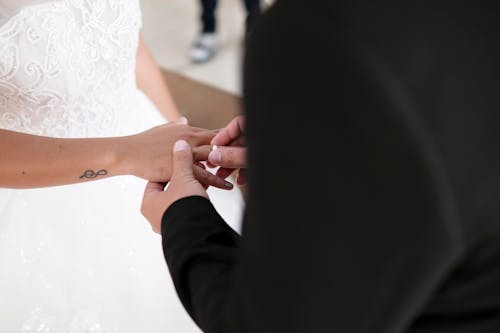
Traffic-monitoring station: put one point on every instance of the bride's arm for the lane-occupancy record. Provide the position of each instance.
(30, 161)
(151, 82)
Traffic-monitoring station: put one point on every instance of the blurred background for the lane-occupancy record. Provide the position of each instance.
(171, 26)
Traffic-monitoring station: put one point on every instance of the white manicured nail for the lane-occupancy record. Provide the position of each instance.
(181, 145)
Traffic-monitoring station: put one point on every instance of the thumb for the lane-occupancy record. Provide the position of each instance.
(183, 160)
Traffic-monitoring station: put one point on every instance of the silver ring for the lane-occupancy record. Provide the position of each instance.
(214, 147)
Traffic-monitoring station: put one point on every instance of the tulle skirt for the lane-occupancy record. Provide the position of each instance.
(81, 258)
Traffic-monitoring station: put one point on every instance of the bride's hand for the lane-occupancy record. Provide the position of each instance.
(148, 155)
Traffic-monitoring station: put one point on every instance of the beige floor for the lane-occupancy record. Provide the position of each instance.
(169, 27)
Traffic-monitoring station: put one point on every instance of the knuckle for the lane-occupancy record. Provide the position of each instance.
(190, 137)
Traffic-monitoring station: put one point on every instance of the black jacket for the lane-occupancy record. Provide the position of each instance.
(374, 186)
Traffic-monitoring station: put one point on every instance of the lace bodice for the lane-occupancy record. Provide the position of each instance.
(66, 67)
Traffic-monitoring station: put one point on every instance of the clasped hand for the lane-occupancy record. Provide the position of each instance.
(229, 155)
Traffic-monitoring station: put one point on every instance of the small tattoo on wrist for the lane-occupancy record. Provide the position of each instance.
(90, 174)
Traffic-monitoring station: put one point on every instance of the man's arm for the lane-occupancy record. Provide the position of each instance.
(198, 245)
(200, 250)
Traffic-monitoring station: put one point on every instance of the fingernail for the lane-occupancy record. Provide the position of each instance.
(228, 185)
(181, 145)
(215, 157)
(183, 120)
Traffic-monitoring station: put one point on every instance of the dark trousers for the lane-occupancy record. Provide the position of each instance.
(208, 14)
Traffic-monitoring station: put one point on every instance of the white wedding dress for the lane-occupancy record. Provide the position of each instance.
(81, 258)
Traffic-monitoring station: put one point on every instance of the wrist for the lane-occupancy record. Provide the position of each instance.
(119, 156)
(172, 114)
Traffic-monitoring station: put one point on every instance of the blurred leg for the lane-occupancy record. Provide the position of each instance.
(253, 11)
(205, 45)
(208, 15)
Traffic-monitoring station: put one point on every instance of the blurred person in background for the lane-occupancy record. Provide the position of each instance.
(206, 43)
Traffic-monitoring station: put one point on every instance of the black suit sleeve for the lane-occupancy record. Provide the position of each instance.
(199, 248)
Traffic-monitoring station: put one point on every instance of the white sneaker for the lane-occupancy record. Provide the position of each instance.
(204, 48)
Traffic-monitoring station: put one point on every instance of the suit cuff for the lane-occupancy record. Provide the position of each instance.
(183, 208)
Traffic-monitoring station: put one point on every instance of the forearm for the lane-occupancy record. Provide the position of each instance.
(200, 250)
(151, 82)
(29, 161)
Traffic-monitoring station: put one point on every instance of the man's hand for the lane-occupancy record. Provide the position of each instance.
(233, 155)
(183, 184)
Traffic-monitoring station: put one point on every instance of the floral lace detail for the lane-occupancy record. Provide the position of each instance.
(65, 66)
